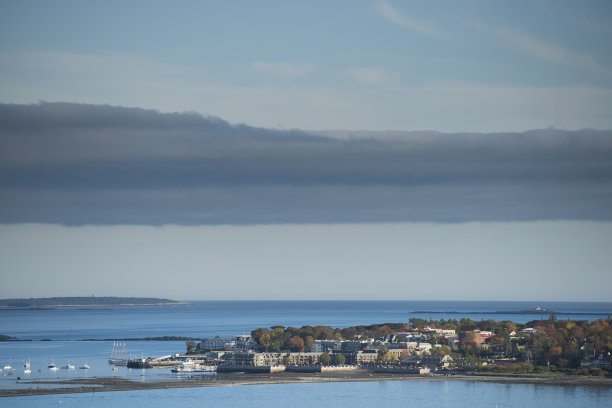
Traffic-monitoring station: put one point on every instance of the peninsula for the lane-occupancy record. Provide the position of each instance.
(43, 303)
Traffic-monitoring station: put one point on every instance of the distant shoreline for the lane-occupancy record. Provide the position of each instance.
(90, 385)
(94, 305)
(91, 301)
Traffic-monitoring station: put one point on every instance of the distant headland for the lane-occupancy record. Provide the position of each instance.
(89, 301)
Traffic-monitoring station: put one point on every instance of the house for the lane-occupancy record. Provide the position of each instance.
(601, 360)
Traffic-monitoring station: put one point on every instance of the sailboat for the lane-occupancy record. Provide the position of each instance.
(27, 367)
(52, 366)
(118, 354)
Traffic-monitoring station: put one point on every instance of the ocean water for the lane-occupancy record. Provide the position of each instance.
(67, 327)
(421, 394)
(229, 318)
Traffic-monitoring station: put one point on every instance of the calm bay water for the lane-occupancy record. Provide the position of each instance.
(421, 394)
(228, 318)
(67, 326)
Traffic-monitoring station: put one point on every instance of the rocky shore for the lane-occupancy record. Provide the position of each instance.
(91, 385)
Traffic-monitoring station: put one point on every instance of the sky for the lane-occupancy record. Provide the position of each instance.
(470, 65)
(306, 150)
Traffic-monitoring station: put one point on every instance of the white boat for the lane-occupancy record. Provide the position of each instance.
(68, 367)
(52, 365)
(27, 370)
(27, 365)
(84, 367)
(189, 366)
(8, 367)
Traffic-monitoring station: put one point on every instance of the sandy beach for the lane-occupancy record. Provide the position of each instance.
(88, 385)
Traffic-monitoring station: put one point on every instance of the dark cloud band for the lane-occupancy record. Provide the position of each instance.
(80, 164)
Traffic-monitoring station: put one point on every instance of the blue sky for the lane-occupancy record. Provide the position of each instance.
(312, 150)
(459, 66)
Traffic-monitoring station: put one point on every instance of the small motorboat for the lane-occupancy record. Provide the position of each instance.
(84, 367)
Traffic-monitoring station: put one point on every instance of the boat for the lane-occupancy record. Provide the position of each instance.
(68, 367)
(84, 367)
(115, 368)
(27, 365)
(118, 355)
(27, 370)
(189, 366)
(52, 365)
(8, 367)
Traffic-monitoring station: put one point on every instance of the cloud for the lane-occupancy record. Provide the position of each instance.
(92, 164)
(371, 75)
(549, 51)
(282, 69)
(419, 26)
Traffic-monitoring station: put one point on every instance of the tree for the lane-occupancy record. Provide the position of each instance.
(308, 342)
(265, 340)
(296, 343)
(190, 346)
(382, 352)
(324, 359)
(339, 359)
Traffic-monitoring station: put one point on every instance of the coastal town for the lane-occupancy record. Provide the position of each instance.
(418, 347)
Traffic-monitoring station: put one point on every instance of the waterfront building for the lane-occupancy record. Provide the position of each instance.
(326, 346)
(366, 356)
(350, 346)
(238, 343)
(440, 361)
(274, 359)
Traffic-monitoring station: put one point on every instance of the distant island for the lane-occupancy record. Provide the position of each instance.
(43, 303)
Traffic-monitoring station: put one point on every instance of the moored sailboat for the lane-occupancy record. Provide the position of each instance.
(118, 356)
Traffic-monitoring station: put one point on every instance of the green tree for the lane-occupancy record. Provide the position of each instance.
(382, 352)
(324, 359)
(265, 341)
(190, 346)
(339, 359)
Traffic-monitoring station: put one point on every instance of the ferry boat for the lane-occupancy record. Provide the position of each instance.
(189, 366)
